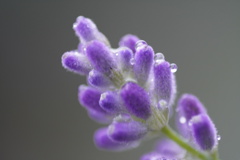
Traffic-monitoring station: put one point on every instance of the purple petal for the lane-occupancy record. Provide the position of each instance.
(164, 82)
(76, 62)
(87, 31)
(204, 131)
(89, 97)
(129, 41)
(102, 141)
(136, 100)
(110, 102)
(99, 117)
(127, 131)
(124, 58)
(170, 149)
(98, 79)
(100, 57)
(143, 63)
(189, 106)
(153, 156)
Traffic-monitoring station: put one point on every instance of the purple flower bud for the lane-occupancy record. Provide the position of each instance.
(100, 57)
(98, 79)
(153, 156)
(204, 131)
(76, 62)
(129, 41)
(143, 63)
(189, 106)
(99, 117)
(136, 100)
(124, 56)
(170, 149)
(110, 102)
(164, 82)
(89, 97)
(87, 31)
(127, 131)
(102, 141)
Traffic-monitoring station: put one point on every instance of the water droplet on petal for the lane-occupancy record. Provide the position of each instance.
(159, 57)
(140, 44)
(218, 137)
(182, 120)
(132, 61)
(103, 96)
(173, 67)
(189, 123)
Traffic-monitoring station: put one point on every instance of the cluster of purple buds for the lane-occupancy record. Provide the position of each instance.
(132, 89)
(194, 125)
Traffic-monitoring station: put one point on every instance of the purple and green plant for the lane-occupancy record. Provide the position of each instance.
(132, 89)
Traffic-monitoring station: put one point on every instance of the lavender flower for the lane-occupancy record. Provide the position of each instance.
(132, 90)
(136, 100)
(129, 41)
(204, 131)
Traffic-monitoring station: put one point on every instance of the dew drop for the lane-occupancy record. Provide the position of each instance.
(140, 44)
(84, 49)
(173, 67)
(190, 123)
(218, 137)
(182, 120)
(103, 96)
(132, 61)
(159, 57)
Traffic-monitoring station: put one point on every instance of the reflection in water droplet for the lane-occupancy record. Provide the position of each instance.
(141, 44)
(132, 61)
(159, 58)
(173, 67)
(218, 137)
(182, 120)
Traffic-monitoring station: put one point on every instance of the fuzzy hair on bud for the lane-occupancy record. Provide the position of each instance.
(127, 131)
(136, 100)
(100, 57)
(164, 82)
(129, 41)
(76, 62)
(102, 141)
(204, 131)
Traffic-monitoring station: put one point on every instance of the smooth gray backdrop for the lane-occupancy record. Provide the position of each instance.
(41, 118)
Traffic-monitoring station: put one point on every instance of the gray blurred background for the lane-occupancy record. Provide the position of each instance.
(41, 118)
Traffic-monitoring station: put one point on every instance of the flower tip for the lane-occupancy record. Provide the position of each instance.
(204, 131)
(76, 62)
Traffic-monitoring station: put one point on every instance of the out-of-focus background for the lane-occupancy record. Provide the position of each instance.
(40, 115)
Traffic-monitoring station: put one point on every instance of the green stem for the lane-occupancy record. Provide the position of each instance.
(214, 155)
(175, 137)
